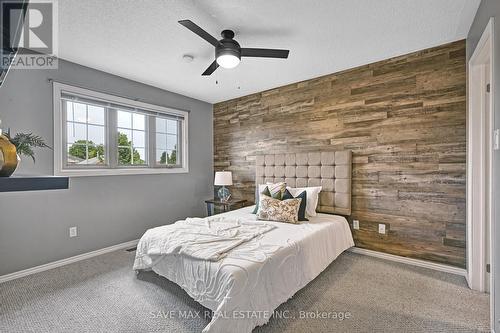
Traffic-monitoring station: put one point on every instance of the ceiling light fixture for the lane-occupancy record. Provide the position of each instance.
(228, 52)
(228, 60)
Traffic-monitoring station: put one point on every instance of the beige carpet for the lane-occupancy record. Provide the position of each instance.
(104, 295)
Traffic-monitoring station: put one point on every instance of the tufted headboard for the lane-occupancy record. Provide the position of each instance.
(331, 170)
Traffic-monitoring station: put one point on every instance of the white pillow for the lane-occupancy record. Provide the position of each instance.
(312, 197)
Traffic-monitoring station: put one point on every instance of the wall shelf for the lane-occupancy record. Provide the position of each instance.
(35, 183)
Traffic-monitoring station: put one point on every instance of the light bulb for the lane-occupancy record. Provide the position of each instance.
(228, 60)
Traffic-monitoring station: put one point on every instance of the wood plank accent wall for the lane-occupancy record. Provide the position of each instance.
(404, 120)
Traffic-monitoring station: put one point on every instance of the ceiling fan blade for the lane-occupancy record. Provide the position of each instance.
(199, 31)
(213, 66)
(264, 53)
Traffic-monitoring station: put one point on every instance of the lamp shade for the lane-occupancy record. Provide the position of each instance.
(223, 178)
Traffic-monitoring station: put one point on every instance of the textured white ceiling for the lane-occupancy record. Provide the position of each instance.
(141, 40)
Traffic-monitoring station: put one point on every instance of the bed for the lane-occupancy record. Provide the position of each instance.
(246, 286)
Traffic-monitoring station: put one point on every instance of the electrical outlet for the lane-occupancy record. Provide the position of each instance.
(381, 228)
(73, 232)
(355, 224)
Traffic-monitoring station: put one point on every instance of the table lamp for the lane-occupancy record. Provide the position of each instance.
(223, 178)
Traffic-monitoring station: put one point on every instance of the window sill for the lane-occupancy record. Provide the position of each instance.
(118, 172)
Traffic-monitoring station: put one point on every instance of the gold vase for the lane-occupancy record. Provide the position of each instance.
(8, 157)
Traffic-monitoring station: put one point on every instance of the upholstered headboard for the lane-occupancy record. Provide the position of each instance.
(331, 170)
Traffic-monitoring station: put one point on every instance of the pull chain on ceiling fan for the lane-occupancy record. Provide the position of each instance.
(228, 51)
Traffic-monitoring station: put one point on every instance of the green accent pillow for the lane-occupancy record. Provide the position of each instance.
(303, 203)
(267, 193)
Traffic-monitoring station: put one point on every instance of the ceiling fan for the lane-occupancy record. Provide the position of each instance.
(228, 51)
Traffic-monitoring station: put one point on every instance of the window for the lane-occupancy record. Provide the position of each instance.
(131, 138)
(101, 134)
(86, 133)
(167, 141)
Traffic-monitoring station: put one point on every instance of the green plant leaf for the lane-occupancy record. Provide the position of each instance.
(25, 142)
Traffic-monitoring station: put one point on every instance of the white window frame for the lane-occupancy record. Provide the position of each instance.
(59, 149)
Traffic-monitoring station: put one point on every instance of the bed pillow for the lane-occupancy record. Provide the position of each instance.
(279, 210)
(312, 197)
(276, 191)
(302, 208)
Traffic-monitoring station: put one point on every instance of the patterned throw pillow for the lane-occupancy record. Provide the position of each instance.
(276, 191)
(276, 195)
(279, 210)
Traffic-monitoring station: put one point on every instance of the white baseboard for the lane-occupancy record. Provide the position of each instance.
(62, 262)
(410, 261)
(386, 256)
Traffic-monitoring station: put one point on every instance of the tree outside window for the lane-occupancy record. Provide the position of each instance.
(78, 151)
(169, 158)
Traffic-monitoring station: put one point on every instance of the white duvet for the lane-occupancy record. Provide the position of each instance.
(256, 276)
(208, 238)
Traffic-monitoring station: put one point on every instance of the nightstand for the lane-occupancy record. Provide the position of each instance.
(215, 206)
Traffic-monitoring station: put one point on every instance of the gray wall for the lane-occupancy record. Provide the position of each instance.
(107, 210)
(491, 8)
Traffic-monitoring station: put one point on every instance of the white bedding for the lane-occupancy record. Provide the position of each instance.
(210, 238)
(257, 276)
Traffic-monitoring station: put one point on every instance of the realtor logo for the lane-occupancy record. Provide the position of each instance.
(31, 30)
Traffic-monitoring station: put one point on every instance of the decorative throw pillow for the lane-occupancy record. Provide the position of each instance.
(303, 202)
(312, 197)
(278, 210)
(268, 193)
(276, 191)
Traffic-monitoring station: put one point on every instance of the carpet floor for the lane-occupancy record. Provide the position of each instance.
(103, 294)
